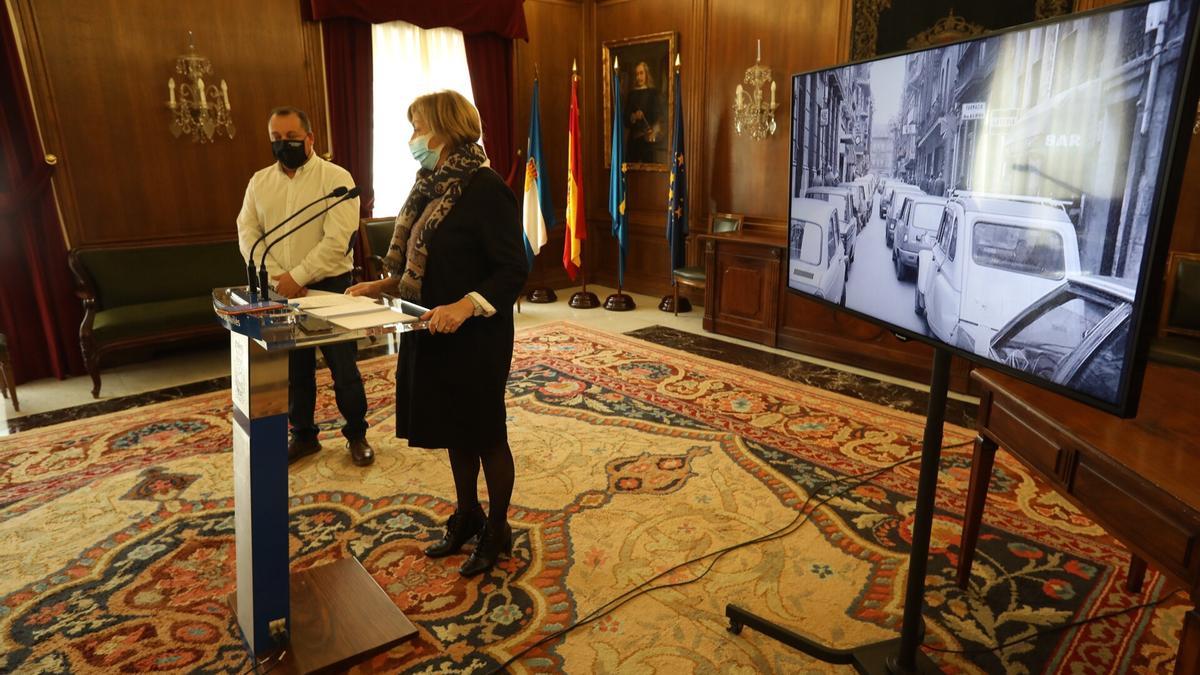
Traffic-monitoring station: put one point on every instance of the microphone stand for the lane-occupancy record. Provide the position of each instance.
(262, 264)
(250, 280)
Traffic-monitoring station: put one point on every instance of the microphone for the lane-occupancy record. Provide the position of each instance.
(250, 279)
(262, 263)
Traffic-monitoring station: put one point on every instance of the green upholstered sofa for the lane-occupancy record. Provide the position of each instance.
(143, 296)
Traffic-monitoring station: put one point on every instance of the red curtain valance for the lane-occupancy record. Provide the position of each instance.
(505, 18)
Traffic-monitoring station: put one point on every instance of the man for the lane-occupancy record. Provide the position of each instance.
(315, 257)
(939, 185)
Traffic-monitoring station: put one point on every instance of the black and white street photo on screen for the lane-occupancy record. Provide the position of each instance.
(997, 194)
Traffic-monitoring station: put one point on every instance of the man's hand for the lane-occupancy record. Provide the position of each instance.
(447, 318)
(286, 286)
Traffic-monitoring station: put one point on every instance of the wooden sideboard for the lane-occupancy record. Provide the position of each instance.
(1137, 478)
(746, 297)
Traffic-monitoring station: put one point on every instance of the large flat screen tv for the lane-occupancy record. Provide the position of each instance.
(1007, 197)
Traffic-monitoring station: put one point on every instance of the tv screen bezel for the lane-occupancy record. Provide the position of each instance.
(1159, 226)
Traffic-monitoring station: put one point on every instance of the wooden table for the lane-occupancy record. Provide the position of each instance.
(1138, 478)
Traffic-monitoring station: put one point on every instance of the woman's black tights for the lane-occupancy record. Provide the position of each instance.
(498, 472)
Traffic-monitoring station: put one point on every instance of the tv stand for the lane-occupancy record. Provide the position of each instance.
(898, 655)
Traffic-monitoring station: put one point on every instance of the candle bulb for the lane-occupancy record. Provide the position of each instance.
(225, 94)
(200, 88)
(772, 94)
(739, 95)
(616, 61)
(677, 61)
(759, 57)
(171, 87)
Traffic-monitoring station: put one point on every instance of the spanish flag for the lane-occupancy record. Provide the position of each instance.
(576, 222)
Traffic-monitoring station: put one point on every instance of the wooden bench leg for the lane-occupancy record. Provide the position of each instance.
(1187, 660)
(981, 477)
(93, 367)
(8, 383)
(1137, 575)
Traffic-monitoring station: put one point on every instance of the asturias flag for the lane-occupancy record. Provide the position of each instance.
(677, 222)
(616, 180)
(576, 222)
(538, 211)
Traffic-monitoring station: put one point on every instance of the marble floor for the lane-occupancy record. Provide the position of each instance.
(204, 369)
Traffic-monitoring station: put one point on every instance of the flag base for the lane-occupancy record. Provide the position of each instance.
(541, 295)
(619, 302)
(584, 300)
(668, 304)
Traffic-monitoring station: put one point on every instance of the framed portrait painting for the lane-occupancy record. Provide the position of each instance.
(647, 98)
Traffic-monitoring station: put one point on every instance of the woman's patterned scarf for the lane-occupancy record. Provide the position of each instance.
(432, 197)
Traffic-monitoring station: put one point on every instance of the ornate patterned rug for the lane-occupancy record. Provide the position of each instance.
(117, 545)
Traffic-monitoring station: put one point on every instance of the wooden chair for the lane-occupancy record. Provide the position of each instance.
(376, 234)
(8, 381)
(1178, 341)
(693, 276)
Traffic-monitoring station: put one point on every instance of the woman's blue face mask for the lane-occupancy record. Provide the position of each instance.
(427, 157)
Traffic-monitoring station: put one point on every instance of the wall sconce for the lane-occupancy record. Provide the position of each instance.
(200, 110)
(751, 113)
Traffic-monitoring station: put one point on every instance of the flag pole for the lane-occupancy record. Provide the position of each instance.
(541, 294)
(581, 299)
(677, 208)
(619, 301)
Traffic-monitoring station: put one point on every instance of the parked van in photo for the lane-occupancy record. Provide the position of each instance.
(994, 256)
(818, 260)
(841, 199)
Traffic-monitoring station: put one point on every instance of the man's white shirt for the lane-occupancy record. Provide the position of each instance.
(318, 250)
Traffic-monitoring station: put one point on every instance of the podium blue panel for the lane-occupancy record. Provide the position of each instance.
(261, 521)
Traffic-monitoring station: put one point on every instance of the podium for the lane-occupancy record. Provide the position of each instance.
(326, 618)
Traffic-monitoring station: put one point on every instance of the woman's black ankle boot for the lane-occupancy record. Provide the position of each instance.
(491, 544)
(460, 528)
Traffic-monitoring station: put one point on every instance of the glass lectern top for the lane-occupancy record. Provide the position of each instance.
(277, 323)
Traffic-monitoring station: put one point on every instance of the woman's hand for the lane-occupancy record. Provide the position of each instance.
(371, 289)
(447, 318)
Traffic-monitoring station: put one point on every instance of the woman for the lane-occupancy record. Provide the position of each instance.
(457, 248)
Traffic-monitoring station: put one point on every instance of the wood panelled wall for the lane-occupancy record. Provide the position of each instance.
(99, 73)
(727, 173)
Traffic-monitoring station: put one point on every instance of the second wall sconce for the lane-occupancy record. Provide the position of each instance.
(752, 112)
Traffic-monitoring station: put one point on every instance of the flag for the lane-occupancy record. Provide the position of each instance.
(616, 179)
(677, 222)
(538, 211)
(576, 222)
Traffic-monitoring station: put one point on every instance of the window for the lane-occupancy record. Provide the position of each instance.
(806, 242)
(925, 216)
(1069, 324)
(408, 61)
(1101, 373)
(831, 238)
(1033, 251)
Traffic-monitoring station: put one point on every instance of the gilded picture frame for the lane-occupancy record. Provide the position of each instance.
(647, 98)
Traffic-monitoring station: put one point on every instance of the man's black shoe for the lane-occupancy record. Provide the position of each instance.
(302, 447)
(361, 452)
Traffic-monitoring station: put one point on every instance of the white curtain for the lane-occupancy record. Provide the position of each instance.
(408, 61)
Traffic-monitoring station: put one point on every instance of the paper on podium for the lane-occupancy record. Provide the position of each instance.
(323, 299)
(382, 316)
(352, 305)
